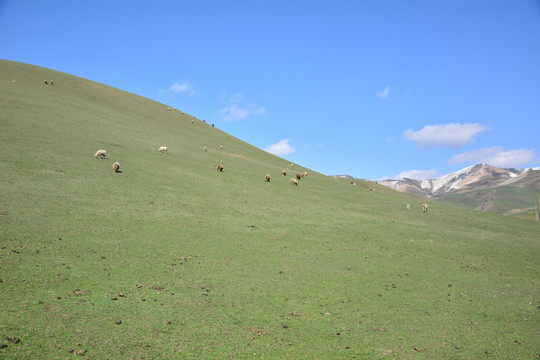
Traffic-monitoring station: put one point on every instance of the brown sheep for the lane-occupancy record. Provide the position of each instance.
(267, 177)
(220, 167)
(293, 181)
(424, 207)
(298, 176)
(116, 166)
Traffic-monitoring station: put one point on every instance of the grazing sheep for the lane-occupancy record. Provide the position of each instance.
(353, 183)
(298, 176)
(193, 121)
(304, 174)
(116, 166)
(292, 165)
(45, 82)
(51, 82)
(220, 167)
(221, 147)
(293, 181)
(371, 189)
(284, 172)
(408, 207)
(424, 207)
(164, 149)
(170, 109)
(205, 148)
(267, 177)
(101, 154)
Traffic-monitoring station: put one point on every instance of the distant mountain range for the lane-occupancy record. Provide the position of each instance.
(482, 187)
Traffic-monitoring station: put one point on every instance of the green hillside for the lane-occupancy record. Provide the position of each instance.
(171, 259)
(506, 200)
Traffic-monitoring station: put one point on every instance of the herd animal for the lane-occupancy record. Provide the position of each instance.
(101, 154)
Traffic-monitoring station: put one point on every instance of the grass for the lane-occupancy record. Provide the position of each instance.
(172, 259)
(507, 200)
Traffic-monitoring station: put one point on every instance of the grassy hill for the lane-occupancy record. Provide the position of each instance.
(170, 259)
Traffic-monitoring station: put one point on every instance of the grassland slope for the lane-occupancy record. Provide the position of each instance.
(172, 259)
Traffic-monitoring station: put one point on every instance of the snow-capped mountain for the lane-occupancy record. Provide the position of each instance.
(469, 178)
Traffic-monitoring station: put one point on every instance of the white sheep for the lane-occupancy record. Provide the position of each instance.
(293, 181)
(408, 207)
(164, 149)
(116, 166)
(205, 148)
(425, 207)
(101, 154)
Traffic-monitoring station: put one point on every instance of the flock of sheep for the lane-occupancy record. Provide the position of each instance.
(102, 154)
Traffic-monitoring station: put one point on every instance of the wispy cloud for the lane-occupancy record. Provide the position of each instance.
(282, 147)
(237, 108)
(233, 113)
(496, 156)
(186, 86)
(384, 94)
(417, 174)
(449, 135)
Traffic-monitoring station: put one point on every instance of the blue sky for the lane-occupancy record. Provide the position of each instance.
(373, 89)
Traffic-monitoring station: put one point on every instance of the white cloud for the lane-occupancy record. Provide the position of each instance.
(418, 174)
(496, 156)
(183, 87)
(233, 113)
(237, 110)
(280, 148)
(449, 135)
(384, 94)
(258, 111)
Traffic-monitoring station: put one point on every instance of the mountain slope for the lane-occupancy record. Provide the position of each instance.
(481, 187)
(172, 259)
